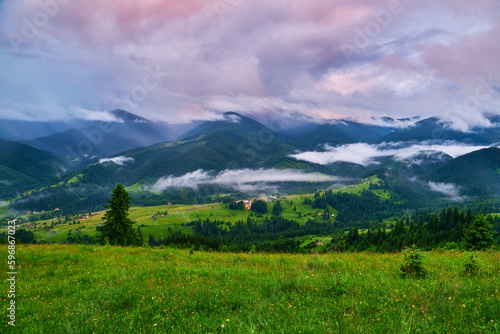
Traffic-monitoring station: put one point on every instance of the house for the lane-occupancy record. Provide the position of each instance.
(169, 203)
(56, 209)
(318, 242)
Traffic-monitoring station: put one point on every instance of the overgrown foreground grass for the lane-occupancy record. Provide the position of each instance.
(95, 289)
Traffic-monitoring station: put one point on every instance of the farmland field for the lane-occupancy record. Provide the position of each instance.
(103, 289)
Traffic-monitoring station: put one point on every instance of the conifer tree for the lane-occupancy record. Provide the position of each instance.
(117, 227)
(479, 234)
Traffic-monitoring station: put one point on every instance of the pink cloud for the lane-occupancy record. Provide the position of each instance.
(268, 54)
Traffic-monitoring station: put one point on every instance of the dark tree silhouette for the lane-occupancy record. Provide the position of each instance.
(117, 227)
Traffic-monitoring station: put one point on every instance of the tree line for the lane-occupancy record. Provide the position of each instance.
(452, 229)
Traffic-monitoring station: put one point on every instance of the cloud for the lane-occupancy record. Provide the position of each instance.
(246, 180)
(117, 160)
(93, 115)
(257, 56)
(366, 154)
(449, 189)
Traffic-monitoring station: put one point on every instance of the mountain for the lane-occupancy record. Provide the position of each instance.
(99, 139)
(230, 121)
(435, 129)
(478, 173)
(23, 167)
(234, 142)
(128, 117)
(24, 130)
(310, 135)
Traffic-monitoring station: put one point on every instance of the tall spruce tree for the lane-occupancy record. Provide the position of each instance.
(479, 234)
(117, 227)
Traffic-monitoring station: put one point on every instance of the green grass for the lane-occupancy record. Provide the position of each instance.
(94, 289)
(134, 188)
(74, 179)
(357, 188)
(175, 217)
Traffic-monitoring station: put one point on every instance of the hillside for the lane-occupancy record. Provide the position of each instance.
(478, 173)
(23, 167)
(75, 289)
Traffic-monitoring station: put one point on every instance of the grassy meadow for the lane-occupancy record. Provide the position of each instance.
(102, 289)
(176, 215)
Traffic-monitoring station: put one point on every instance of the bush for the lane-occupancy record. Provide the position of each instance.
(413, 263)
(450, 246)
(472, 264)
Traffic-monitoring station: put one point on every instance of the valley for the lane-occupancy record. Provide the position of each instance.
(172, 218)
(214, 163)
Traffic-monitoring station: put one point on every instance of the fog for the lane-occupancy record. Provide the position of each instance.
(245, 180)
(366, 154)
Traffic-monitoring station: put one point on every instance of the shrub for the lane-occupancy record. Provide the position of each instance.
(413, 263)
(472, 264)
(451, 246)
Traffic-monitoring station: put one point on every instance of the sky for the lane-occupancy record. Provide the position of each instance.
(179, 61)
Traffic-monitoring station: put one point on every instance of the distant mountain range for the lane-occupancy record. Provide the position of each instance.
(137, 151)
(98, 139)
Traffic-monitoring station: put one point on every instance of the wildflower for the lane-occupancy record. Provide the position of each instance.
(227, 320)
(222, 325)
